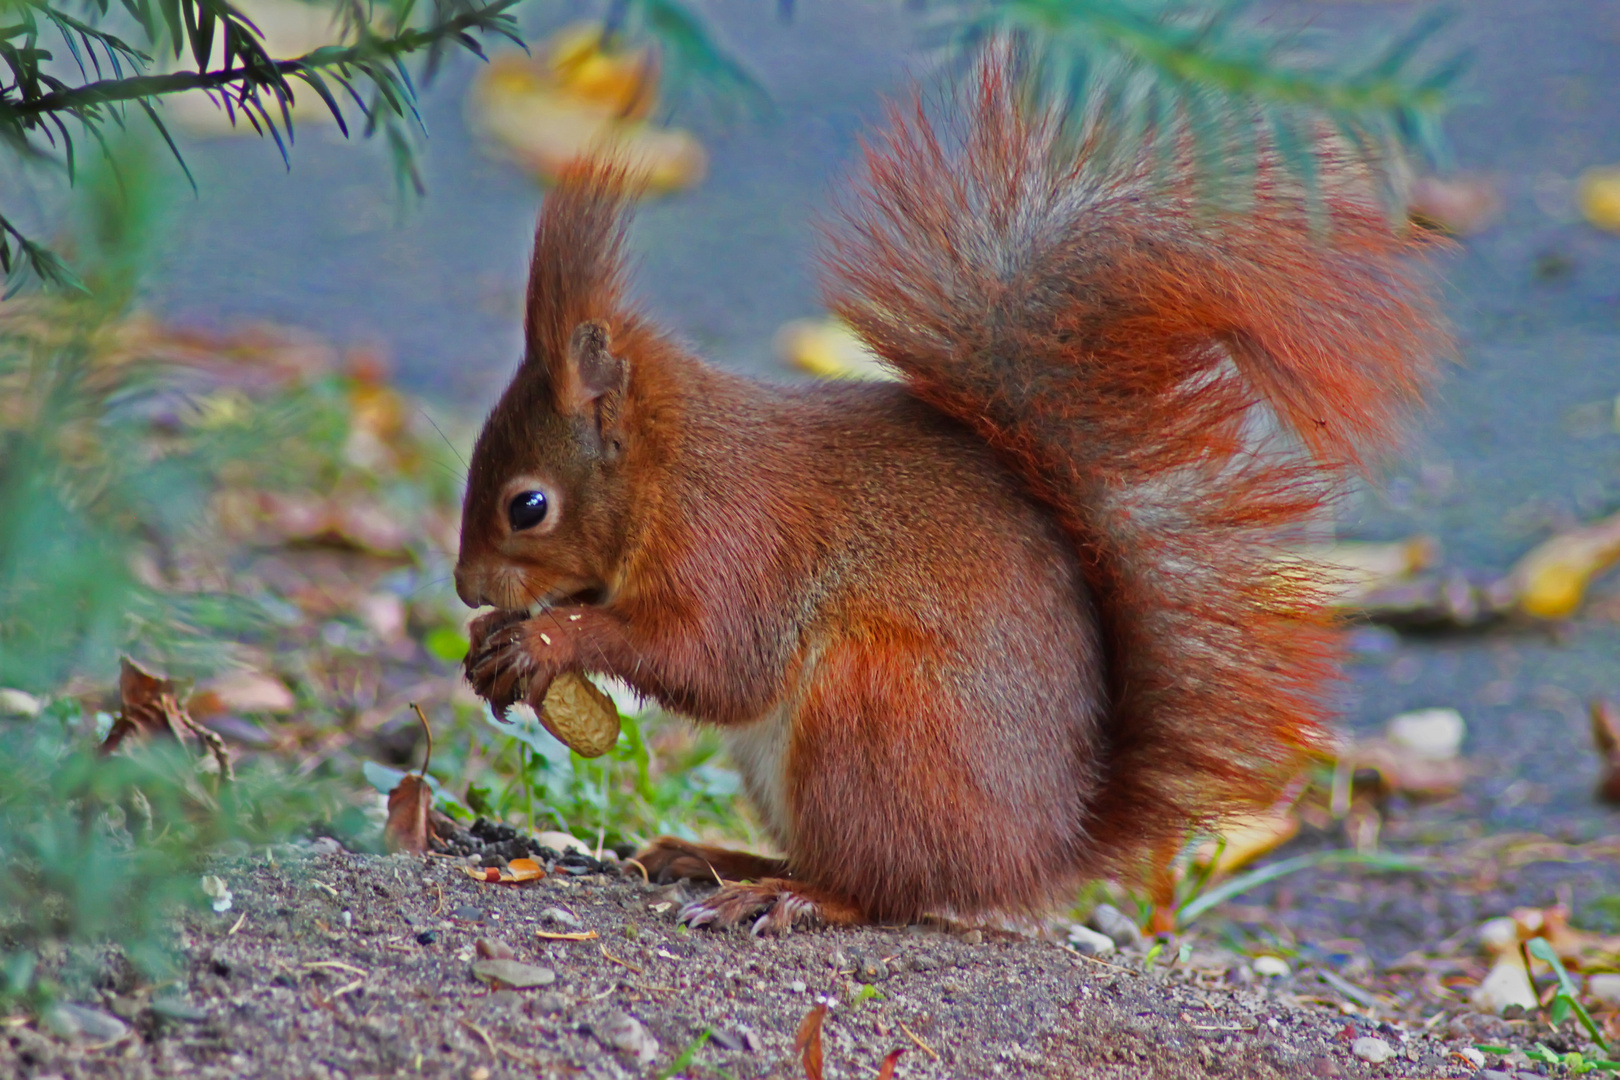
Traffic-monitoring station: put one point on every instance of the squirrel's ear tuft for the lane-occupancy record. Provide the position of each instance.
(593, 380)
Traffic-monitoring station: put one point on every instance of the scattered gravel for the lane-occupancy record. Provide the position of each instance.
(293, 990)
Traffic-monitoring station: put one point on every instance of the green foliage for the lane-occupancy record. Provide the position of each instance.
(1153, 71)
(662, 777)
(1566, 1000)
(1156, 68)
(105, 461)
(218, 50)
(96, 849)
(1202, 899)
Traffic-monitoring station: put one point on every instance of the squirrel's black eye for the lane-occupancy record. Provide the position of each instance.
(526, 510)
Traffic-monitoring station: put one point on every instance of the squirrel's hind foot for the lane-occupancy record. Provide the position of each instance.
(669, 858)
(777, 906)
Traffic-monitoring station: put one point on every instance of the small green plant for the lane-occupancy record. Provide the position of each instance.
(1204, 899)
(517, 771)
(97, 848)
(1565, 1003)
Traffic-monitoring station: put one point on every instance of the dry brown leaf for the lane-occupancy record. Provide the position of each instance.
(1400, 770)
(150, 705)
(516, 872)
(581, 716)
(886, 1072)
(525, 870)
(242, 691)
(1247, 837)
(1606, 737)
(1551, 579)
(408, 828)
(807, 1042)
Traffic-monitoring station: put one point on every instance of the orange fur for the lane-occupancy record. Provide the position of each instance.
(1013, 623)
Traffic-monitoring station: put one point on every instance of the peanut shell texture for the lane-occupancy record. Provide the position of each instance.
(580, 715)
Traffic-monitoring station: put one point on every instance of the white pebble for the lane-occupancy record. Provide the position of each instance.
(1470, 1055)
(217, 891)
(1369, 1049)
(1272, 967)
(18, 703)
(1087, 942)
(1508, 983)
(561, 843)
(1435, 734)
(1605, 987)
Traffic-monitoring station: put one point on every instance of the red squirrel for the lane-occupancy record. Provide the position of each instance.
(1021, 618)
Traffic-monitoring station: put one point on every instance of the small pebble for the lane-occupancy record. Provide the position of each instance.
(870, 969)
(427, 937)
(494, 949)
(562, 842)
(68, 1021)
(550, 1002)
(1605, 987)
(1471, 1055)
(558, 915)
(469, 912)
(797, 986)
(1435, 734)
(972, 937)
(1120, 928)
(174, 1009)
(1271, 967)
(1088, 942)
(623, 1032)
(1374, 1051)
(518, 976)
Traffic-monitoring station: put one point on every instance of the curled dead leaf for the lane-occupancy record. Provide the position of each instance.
(828, 348)
(515, 872)
(408, 827)
(1550, 581)
(580, 715)
(150, 705)
(525, 870)
(807, 1041)
(579, 98)
(242, 691)
(1244, 839)
(1606, 737)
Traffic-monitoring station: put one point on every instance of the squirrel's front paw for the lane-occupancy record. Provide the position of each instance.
(776, 905)
(501, 663)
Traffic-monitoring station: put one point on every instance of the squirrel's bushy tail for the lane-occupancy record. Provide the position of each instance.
(1111, 337)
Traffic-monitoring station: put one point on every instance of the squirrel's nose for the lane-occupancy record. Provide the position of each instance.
(468, 588)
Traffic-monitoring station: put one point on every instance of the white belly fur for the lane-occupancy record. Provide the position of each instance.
(760, 750)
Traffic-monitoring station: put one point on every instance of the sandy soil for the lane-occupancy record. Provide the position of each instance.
(336, 965)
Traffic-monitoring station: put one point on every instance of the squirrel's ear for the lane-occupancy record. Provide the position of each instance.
(593, 380)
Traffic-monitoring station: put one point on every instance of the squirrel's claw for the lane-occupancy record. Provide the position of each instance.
(498, 664)
(775, 906)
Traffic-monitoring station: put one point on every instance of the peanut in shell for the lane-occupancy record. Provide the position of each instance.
(580, 715)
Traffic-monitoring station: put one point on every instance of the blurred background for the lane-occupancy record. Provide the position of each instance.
(351, 332)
